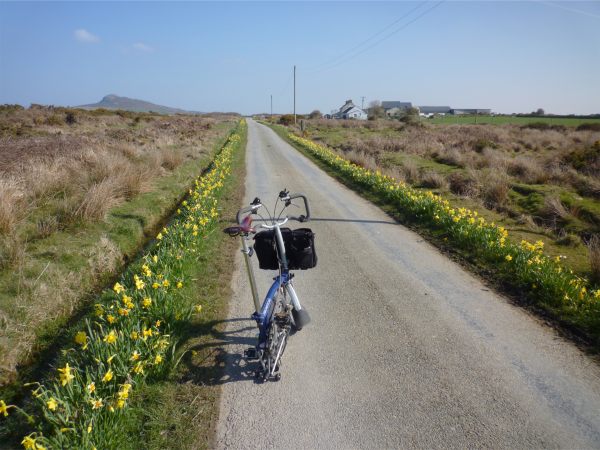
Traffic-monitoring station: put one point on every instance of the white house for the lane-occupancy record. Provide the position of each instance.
(350, 111)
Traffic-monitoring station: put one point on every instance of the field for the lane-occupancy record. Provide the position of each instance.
(80, 194)
(513, 120)
(542, 184)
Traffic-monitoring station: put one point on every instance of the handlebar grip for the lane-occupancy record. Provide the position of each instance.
(242, 211)
(303, 197)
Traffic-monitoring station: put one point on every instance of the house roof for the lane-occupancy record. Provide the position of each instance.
(434, 109)
(389, 105)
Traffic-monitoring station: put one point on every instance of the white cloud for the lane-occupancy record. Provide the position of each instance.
(85, 36)
(140, 46)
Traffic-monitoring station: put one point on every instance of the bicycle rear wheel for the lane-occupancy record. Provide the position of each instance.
(279, 330)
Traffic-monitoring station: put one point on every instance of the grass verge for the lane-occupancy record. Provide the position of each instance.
(522, 268)
(130, 342)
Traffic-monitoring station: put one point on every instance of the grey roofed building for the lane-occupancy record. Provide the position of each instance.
(460, 111)
(434, 109)
(400, 105)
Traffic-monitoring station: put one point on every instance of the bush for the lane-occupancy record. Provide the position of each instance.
(544, 126)
(70, 118)
(589, 127)
(482, 144)
(55, 119)
(286, 119)
(462, 184)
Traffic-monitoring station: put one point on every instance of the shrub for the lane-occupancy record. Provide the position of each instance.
(462, 184)
(544, 126)
(482, 144)
(589, 127)
(70, 118)
(286, 119)
(55, 119)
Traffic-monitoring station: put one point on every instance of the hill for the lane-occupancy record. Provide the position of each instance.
(131, 104)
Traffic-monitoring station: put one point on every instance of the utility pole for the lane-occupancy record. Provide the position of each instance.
(362, 103)
(294, 95)
(271, 105)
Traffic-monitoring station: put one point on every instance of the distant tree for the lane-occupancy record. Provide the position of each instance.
(376, 111)
(540, 112)
(410, 115)
(316, 114)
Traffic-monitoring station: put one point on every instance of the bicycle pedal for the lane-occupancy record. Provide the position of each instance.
(250, 353)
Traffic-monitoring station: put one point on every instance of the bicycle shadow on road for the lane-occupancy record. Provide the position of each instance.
(329, 219)
(219, 357)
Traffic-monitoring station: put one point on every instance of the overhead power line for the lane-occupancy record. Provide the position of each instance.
(385, 37)
(370, 38)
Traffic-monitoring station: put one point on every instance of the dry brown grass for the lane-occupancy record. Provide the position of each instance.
(555, 209)
(594, 252)
(12, 201)
(494, 188)
(57, 178)
(431, 179)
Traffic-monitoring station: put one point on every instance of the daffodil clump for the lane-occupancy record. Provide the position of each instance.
(525, 264)
(133, 330)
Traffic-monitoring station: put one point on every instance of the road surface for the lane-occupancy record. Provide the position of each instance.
(405, 349)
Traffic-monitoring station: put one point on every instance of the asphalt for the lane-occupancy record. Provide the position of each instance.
(405, 349)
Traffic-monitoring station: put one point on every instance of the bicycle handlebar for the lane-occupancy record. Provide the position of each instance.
(302, 218)
(254, 207)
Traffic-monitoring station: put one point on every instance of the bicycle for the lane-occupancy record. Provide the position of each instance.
(280, 249)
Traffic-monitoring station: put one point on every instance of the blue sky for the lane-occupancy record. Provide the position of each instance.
(227, 56)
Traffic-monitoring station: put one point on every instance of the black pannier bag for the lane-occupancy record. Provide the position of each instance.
(299, 246)
(302, 254)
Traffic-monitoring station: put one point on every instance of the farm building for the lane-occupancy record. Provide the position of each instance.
(393, 108)
(350, 111)
(474, 111)
(434, 109)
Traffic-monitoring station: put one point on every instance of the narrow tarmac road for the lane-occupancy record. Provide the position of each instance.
(405, 348)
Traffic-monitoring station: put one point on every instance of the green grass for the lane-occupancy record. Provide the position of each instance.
(512, 120)
(155, 417)
(62, 263)
(574, 321)
(180, 413)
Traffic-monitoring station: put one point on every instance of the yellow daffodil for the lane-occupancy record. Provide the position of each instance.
(110, 338)
(4, 408)
(91, 387)
(81, 338)
(107, 376)
(65, 375)
(52, 404)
